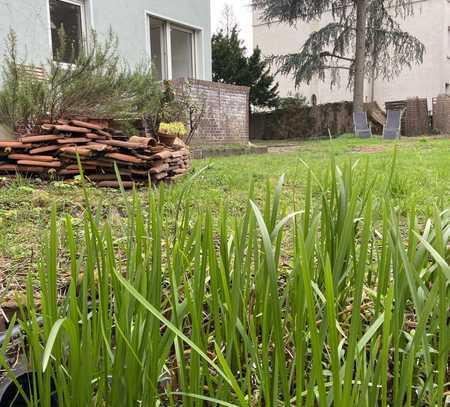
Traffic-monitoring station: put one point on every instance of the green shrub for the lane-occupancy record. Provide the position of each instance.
(22, 95)
(98, 84)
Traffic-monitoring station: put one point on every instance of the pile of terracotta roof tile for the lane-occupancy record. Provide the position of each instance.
(52, 151)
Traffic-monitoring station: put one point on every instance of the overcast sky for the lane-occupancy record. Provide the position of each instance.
(243, 15)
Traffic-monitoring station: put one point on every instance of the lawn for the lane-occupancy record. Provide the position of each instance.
(332, 288)
(422, 178)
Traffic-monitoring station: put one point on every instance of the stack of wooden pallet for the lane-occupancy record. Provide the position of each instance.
(52, 151)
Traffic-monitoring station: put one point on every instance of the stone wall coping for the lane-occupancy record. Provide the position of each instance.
(216, 85)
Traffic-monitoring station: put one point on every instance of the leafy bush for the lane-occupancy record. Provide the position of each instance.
(336, 304)
(22, 94)
(98, 84)
(177, 104)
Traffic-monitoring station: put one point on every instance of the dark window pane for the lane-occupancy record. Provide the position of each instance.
(67, 16)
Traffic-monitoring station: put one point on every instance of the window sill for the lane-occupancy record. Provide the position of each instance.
(64, 65)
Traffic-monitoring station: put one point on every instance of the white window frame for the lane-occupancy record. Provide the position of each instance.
(194, 50)
(168, 24)
(84, 23)
(448, 41)
(164, 50)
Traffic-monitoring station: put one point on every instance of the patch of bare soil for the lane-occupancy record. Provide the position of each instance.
(283, 149)
(368, 149)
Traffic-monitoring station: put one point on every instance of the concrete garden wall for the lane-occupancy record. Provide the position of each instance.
(302, 122)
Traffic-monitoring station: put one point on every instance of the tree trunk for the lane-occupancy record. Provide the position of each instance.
(360, 55)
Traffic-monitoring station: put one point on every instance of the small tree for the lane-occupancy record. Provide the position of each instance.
(363, 38)
(177, 104)
(263, 89)
(228, 19)
(230, 65)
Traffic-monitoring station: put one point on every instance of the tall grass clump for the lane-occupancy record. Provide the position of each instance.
(341, 303)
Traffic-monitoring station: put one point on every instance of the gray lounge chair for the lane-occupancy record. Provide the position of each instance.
(392, 129)
(361, 125)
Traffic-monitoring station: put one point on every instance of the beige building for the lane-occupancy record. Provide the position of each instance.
(430, 23)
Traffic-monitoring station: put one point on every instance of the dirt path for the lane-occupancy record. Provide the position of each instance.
(368, 149)
(283, 149)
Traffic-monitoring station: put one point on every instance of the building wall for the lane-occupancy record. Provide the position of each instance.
(127, 18)
(226, 117)
(430, 24)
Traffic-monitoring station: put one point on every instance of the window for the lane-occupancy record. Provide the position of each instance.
(448, 43)
(69, 16)
(158, 47)
(182, 53)
(172, 49)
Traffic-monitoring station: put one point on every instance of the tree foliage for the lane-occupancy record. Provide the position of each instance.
(230, 65)
(333, 49)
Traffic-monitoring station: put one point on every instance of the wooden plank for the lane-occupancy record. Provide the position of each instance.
(124, 158)
(44, 149)
(64, 128)
(76, 150)
(86, 125)
(98, 147)
(39, 138)
(31, 163)
(13, 144)
(119, 143)
(143, 141)
(47, 158)
(162, 155)
(104, 133)
(73, 140)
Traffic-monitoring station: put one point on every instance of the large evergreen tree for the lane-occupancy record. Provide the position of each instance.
(362, 39)
(230, 65)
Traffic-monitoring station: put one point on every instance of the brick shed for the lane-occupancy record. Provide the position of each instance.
(415, 116)
(226, 119)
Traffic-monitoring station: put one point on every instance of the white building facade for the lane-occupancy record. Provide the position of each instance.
(175, 34)
(430, 23)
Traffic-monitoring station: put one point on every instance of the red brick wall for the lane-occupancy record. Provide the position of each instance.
(441, 114)
(226, 119)
(415, 116)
